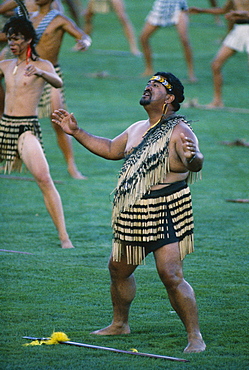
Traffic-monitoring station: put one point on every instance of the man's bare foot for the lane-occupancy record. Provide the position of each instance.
(113, 330)
(215, 104)
(66, 244)
(136, 52)
(75, 174)
(192, 79)
(195, 345)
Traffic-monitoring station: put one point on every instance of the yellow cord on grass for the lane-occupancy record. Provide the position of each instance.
(55, 338)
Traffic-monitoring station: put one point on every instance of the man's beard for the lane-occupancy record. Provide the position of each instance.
(144, 101)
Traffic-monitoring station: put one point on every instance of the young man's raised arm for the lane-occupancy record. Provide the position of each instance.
(46, 71)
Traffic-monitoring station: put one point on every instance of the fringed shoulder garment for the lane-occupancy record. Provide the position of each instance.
(144, 220)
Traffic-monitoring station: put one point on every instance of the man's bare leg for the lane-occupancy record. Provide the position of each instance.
(181, 294)
(65, 144)
(75, 9)
(223, 54)
(214, 4)
(146, 33)
(182, 28)
(129, 32)
(88, 15)
(123, 290)
(32, 155)
(64, 141)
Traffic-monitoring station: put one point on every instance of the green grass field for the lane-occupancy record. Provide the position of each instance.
(68, 290)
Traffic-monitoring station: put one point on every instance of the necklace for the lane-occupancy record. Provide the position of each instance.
(16, 66)
(165, 109)
(151, 127)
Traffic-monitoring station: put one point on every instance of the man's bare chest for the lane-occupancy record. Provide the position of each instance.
(241, 4)
(53, 29)
(135, 136)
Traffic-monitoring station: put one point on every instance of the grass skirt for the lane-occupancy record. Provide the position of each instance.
(45, 103)
(11, 129)
(161, 217)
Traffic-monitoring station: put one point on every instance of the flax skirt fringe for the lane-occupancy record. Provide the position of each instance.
(11, 129)
(45, 106)
(161, 217)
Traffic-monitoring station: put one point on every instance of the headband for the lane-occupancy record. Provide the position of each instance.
(163, 81)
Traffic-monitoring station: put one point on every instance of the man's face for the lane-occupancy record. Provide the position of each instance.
(17, 43)
(154, 92)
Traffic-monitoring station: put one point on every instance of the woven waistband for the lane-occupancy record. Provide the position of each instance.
(166, 190)
(242, 21)
(19, 117)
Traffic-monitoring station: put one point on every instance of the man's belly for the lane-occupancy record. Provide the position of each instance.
(170, 178)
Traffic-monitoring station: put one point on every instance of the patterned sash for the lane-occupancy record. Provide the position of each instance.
(45, 22)
(148, 165)
(145, 166)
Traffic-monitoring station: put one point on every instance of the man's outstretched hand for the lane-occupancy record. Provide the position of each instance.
(66, 121)
(188, 146)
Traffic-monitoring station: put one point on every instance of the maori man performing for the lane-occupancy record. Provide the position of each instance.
(152, 209)
(237, 40)
(20, 132)
(51, 27)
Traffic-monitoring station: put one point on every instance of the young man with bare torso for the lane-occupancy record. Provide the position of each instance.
(20, 133)
(237, 40)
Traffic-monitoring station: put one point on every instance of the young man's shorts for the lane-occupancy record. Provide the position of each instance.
(166, 13)
(238, 38)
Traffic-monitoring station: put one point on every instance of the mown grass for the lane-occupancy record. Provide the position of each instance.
(68, 290)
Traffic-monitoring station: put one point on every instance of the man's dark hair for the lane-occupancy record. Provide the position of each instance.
(177, 88)
(21, 25)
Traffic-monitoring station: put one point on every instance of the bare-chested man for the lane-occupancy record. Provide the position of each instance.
(152, 209)
(20, 133)
(237, 40)
(74, 7)
(48, 47)
(8, 9)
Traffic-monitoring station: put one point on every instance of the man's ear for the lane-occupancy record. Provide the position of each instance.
(169, 98)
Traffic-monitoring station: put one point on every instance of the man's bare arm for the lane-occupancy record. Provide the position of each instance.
(3, 37)
(187, 148)
(83, 40)
(215, 10)
(7, 6)
(103, 147)
(50, 76)
(235, 15)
